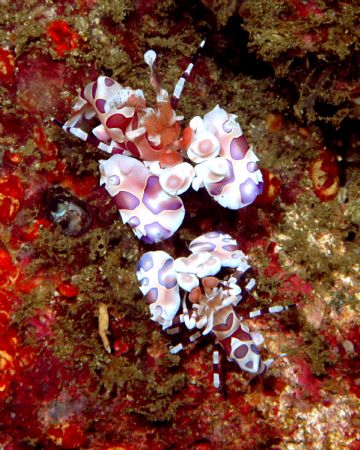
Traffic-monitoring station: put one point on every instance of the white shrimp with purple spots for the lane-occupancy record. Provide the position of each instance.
(219, 157)
(152, 214)
(209, 302)
(232, 178)
(158, 283)
(161, 277)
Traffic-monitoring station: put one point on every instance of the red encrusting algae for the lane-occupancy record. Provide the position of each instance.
(62, 37)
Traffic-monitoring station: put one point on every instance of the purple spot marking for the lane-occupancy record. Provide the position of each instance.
(212, 234)
(151, 196)
(226, 326)
(109, 82)
(166, 275)
(115, 180)
(133, 149)
(227, 127)
(261, 187)
(118, 121)
(126, 200)
(94, 89)
(146, 262)
(155, 233)
(203, 246)
(249, 365)
(239, 147)
(135, 123)
(151, 296)
(249, 190)
(216, 188)
(243, 335)
(241, 351)
(254, 349)
(117, 150)
(252, 167)
(100, 103)
(230, 248)
(134, 222)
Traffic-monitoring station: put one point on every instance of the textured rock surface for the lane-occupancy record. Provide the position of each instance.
(288, 70)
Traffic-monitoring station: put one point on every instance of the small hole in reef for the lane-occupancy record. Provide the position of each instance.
(351, 236)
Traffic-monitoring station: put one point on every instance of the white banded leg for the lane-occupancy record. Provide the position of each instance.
(86, 137)
(232, 284)
(176, 323)
(175, 326)
(267, 310)
(216, 370)
(239, 273)
(265, 365)
(179, 347)
(189, 321)
(173, 330)
(250, 285)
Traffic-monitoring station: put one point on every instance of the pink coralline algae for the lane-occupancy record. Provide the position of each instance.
(147, 171)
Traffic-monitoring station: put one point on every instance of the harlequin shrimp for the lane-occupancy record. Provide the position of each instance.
(209, 303)
(226, 165)
(151, 212)
(217, 153)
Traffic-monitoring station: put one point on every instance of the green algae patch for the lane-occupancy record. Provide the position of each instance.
(149, 395)
(318, 353)
(116, 10)
(313, 49)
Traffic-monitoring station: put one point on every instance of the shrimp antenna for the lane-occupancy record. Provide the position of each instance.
(185, 75)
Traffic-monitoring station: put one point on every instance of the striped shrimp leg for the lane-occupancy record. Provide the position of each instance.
(88, 138)
(185, 75)
(267, 310)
